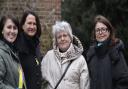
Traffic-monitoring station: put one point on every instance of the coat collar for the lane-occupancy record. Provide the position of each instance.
(26, 44)
(8, 50)
(74, 51)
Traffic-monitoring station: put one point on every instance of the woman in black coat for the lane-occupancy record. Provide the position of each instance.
(107, 66)
(29, 50)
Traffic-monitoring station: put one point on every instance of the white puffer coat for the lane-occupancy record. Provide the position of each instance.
(53, 66)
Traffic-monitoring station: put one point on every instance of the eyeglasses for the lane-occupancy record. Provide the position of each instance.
(101, 30)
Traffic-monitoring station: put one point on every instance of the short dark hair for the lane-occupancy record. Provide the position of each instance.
(23, 19)
(3, 21)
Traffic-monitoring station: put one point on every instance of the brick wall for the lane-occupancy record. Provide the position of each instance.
(48, 11)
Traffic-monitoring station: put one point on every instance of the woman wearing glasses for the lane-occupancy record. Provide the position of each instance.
(107, 66)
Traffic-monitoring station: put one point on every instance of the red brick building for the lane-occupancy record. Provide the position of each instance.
(48, 11)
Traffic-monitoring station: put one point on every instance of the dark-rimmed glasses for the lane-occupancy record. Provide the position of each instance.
(100, 30)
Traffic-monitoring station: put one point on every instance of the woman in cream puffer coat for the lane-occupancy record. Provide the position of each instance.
(56, 60)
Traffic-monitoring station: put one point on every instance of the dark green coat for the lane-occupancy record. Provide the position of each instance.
(9, 64)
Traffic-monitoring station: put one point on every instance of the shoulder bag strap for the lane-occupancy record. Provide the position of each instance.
(63, 75)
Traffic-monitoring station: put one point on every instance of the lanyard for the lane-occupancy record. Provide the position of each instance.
(21, 79)
(37, 62)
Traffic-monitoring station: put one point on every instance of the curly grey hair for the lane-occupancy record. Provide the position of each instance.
(62, 26)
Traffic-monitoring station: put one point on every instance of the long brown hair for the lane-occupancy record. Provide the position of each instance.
(110, 28)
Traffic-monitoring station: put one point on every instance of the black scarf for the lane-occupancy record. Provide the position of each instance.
(11, 45)
(102, 47)
(31, 42)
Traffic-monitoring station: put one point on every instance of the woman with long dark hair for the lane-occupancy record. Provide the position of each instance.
(29, 49)
(106, 62)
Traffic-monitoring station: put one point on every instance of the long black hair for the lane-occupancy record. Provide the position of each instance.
(23, 19)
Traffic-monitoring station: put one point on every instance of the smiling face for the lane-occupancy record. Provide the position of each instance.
(63, 40)
(30, 27)
(101, 32)
(10, 31)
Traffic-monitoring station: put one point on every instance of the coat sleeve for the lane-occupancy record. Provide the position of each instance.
(84, 76)
(120, 72)
(3, 74)
(43, 68)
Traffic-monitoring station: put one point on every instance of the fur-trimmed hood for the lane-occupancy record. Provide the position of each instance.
(74, 51)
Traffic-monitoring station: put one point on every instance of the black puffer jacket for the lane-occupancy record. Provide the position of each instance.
(107, 66)
(30, 57)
